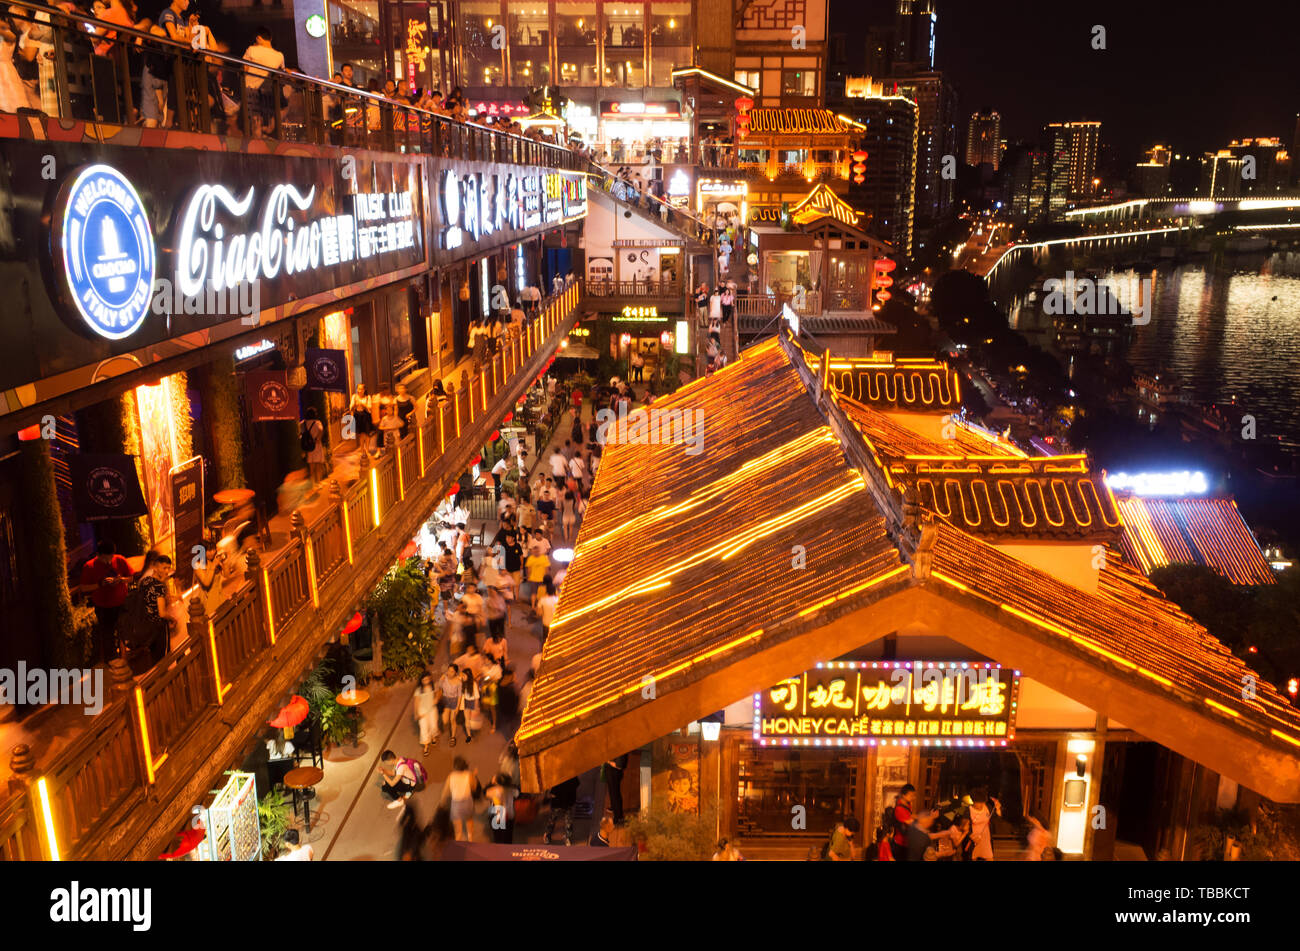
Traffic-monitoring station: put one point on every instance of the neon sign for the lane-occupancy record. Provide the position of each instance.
(1159, 484)
(107, 251)
(907, 703)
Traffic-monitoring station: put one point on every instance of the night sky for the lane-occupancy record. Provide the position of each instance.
(1191, 75)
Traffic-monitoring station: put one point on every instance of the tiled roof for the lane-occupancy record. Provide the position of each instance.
(1127, 626)
(670, 537)
(836, 323)
(799, 121)
(927, 386)
(683, 580)
(889, 438)
(1198, 531)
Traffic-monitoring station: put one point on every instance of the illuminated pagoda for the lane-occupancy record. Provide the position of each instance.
(877, 594)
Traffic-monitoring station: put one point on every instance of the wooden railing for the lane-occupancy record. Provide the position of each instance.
(767, 305)
(634, 289)
(133, 742)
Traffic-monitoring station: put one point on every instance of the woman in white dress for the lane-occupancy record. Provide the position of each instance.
(981, 815)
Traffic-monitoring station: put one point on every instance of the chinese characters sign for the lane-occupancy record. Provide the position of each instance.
(923, 703)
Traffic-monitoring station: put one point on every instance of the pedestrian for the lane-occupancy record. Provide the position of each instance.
(449, 699)
(564, 797)
(411, 837)
(397, 779)
(841, 844)
(292, 849)
(536, 568)
(920, 840)
(728, 303)
(1038, 840)
(445, 567)
(499, 469)
(496, 648)
(311, 437)
(390, 424)
(982, 809)
(469, 714)
(702, 304)
(559, 467)
(727, 852)
(545, 510)
(495, 607)
(715, 305)
(578, 471)
(613, 770)
(473, 604)
(603, 834)
(426, 712)
(489, 693)
(404, 404)
(262, 52)
(501, 796)
(363, 422)
(105, 579)
(900, 820)
(638, 366)
(546, 603)
(458, 794)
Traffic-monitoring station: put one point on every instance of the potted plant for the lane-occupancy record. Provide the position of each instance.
(273, 817)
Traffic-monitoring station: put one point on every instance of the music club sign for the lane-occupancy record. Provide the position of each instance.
(477, 205)
(294, 229)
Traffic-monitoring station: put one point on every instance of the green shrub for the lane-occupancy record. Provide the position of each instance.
(673, 836)
(400, 603)
(273, 817)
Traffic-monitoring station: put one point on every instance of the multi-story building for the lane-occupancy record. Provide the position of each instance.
(780, 50)
(1220, 175)
(984, 139)
(1151, 178)
(887, 195)
(1266, 165)
(915, 24)
(936, 140)
(1077, 143)
(1025, 176)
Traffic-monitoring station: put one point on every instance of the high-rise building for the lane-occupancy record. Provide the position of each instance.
(1075, 144)
(887, 196)
(1025, 174)
(1151, 178)
(984, 139)
(1220, 175)
(1056, 139)
(1266, 165)
(936, 140)
(915, 23)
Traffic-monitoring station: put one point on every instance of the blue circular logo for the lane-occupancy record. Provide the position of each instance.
(107, 251)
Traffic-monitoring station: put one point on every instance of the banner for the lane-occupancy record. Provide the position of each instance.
(327, 370)
(105, 485)
(187, 516)
(269, 396)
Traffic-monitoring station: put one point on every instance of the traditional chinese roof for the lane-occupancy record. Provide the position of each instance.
(838, 323)
(800, 122)
(785, 543)
(821, 202)
(1202, 531)
(927, 386)
(890, 439)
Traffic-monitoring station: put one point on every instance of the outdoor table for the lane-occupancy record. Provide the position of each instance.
(353, 699)
(299, 781)
(233, 496)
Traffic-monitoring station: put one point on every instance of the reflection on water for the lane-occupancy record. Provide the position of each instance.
(1229, 330)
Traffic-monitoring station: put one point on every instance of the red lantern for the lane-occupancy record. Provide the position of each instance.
(883, 295)
(859, 156)
(884, 264)
(859, 179)
(884, 280)
(744, 104)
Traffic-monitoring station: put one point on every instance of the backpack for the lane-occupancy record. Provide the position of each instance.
(417, 770)
(305, 439)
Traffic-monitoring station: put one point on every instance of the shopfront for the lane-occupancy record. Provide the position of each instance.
(722, 202)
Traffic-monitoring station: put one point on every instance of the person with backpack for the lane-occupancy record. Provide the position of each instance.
(311, 437)
(399, 778)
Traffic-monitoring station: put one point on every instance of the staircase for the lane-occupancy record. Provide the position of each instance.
(682, 224)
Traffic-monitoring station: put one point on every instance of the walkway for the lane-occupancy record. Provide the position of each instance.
(358, 825)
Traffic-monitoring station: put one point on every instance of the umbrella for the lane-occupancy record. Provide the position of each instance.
(189, 841)
(353, 623)
(291, 715)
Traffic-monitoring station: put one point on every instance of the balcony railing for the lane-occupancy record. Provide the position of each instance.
(634, 289)
(225, 95)
(768, 305)
(131, 749)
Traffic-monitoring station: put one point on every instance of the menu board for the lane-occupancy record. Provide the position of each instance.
(924, 703)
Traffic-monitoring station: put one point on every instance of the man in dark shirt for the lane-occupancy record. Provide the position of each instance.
(514, 555)
(614, 782)
(104, 578)
(902, 820)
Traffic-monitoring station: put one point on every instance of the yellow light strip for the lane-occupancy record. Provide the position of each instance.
(144, 736)
(374, 494)
(848, 593)
(270, 610)
(311, 572)
(1282, 736)
(47, 814)
(401, 483)
(347, 529)
(1221, 708)
(419, 445)
(216, 664)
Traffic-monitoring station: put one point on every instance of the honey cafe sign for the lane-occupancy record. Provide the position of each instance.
(876, 703)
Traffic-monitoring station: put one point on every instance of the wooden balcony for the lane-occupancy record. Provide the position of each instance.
(127, 784)
(612, 296)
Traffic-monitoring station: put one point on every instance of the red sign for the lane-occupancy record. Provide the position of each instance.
(500, 109)
(640, 110)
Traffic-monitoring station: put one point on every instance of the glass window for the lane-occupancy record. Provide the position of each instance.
(530, 44)
(747, 77)
(483, 63)
(624, 44)
(356, 38)
(798, 82)
(670, 40)
(575, 43)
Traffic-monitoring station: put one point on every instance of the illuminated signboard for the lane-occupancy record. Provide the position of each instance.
(760, 214)
(1159, 484)
(107, 251)
(635, 313)
(902, 703)
(639, 110)
(315, 26)
(478, 204)
(714, 187)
